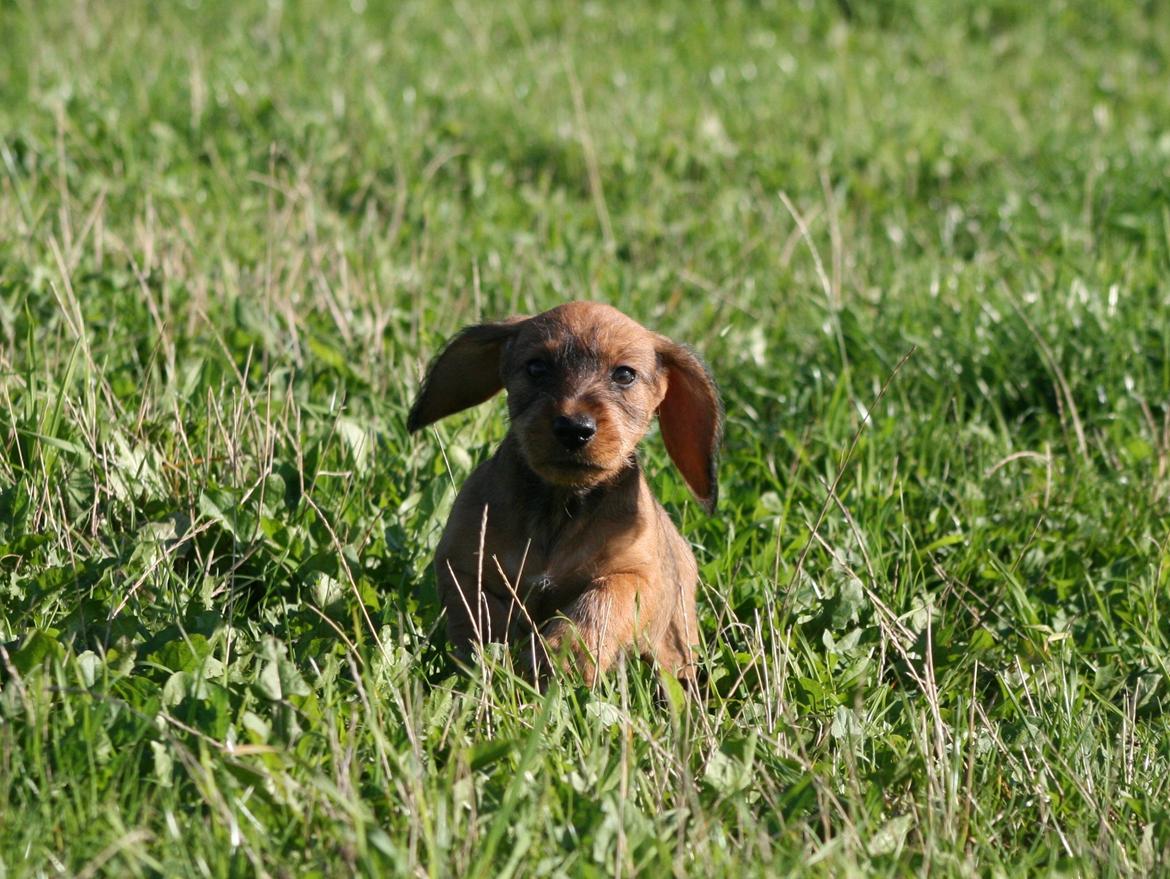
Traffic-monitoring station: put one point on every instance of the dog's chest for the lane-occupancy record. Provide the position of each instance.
(553, 568)
(561, 565)
(550, 546)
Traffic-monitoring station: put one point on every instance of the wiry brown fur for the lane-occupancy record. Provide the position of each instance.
(573, 542)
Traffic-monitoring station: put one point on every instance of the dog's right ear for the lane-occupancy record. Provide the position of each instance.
(465, 373)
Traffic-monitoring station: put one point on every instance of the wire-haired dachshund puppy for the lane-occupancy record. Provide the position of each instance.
(558, 532)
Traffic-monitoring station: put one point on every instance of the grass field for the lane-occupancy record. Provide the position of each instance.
(925, 248)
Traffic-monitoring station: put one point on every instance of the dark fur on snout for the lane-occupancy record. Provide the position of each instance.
(574, 543)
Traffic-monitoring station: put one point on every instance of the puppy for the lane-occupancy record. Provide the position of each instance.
(558, 533)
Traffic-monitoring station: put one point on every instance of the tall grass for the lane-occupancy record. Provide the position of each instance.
(924, 248)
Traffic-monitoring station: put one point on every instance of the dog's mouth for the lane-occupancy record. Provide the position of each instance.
(569, 466)
(566, 471)
(577, 468)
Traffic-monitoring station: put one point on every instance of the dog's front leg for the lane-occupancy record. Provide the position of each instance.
(474, 615)
(609, 618)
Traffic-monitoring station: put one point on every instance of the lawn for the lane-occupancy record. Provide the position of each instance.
(925, 248)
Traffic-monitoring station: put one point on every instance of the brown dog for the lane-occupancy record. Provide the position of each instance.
(559, 530)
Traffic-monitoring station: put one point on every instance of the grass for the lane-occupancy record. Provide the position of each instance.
(935, 619)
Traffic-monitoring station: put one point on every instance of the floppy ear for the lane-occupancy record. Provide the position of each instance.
(691, 419)
(465, 373)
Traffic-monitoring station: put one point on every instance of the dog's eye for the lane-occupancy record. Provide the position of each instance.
(536, 368)
(624, 376)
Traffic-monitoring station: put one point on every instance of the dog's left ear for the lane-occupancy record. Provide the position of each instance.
(466, 373)
(691, 419)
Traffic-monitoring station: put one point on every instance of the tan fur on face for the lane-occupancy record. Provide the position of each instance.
(586, 552)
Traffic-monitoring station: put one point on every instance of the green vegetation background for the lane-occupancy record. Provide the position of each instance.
(232, 234)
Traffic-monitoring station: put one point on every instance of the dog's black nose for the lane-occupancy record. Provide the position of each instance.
(574, 431)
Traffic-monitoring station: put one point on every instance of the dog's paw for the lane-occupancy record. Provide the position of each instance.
(557, 652)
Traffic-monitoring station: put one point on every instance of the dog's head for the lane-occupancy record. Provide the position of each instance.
(584, 382)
